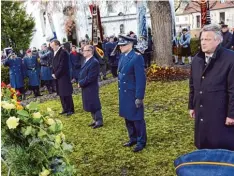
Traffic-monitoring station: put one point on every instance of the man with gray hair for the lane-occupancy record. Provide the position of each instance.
(88, 82)
(211, 96)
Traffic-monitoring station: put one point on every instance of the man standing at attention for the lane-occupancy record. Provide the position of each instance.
(211, 97)
(88, 82)
(61, 74)
(132, 83)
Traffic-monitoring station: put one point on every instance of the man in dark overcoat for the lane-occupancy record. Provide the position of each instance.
(132, 83)
(75, 59)
(227, 37)
(211, 96)
(32, 70)
(16, 72)
(112, 59)
(46, 57)
(88, 82)
(61, 74)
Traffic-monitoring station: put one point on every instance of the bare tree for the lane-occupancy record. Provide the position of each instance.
(161, 21)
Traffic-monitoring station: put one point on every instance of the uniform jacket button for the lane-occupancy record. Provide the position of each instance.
(124, 82)
(201, 120)
(201, 106)
(125, 91)
(200, 92)
(123, 73)
(203, 77)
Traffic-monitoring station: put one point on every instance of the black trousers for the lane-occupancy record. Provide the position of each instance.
(49, 85)
(114, 71)
(67, 103)
(97, 117)
(21, 90)
(35, 90)
(137, 131)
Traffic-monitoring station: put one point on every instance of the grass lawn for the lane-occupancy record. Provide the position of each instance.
(100, 151)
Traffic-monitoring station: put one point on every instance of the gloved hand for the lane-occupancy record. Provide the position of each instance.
(138, 103)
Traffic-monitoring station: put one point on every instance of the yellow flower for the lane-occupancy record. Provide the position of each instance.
(45, 173)
(8, 106)
(12, 122)
(166, 68)
(50, 121)
(36, 115)
(19, 107)
(14, 97)
(62, 136)
(49, 109)
(58, 139)
(12, 90)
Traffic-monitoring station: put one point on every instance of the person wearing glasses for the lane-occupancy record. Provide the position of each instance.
(88, 82)
(132, 83)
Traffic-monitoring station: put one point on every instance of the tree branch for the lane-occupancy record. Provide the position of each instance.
(178, 5)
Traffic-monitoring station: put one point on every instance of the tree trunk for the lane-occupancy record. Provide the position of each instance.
(161, 21)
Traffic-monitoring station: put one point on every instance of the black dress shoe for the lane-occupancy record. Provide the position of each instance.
(92, 124)
(70, 113)
(138, 148)
(97, 126)
(129, 144)
(63, 112)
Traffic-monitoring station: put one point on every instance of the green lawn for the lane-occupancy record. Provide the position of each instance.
(100, 151)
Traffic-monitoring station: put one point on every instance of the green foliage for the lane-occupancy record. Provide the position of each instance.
(156, 73)
(194, 44)
(5, 75)
(99, 152)
(17, 26)
(32, 141)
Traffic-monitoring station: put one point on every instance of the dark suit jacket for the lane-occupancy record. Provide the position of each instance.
(61, 70)
(88, 81)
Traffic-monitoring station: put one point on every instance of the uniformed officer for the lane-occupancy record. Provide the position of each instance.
(132, 83)
(16, 72)
(76, 61)
(31, 65)
(46, 57)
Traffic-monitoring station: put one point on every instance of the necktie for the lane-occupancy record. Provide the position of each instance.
(207, 59)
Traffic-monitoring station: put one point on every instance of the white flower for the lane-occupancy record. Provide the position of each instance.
(50, 121)
(12, 122)
(37, 115)
(44, 173)
(8, 105)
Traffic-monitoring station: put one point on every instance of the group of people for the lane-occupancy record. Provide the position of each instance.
(181, 43)
(211, 95)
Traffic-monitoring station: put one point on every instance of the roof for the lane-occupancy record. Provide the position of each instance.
(194, 6)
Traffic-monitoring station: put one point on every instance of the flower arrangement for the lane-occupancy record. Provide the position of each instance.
(157, 73)
(32, 141)
(69, 26)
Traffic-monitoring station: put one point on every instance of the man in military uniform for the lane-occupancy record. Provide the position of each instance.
(31, 65)
(46, 67)
(16, 72)
(132, 83)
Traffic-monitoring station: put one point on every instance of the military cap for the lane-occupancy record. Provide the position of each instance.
(124, 40)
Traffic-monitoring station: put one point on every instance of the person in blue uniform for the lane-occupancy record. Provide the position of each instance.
(31, 65)
(132, 83)
(88, 82)
(46, 57)
(16, 72)
(75, 59)
(112, 59)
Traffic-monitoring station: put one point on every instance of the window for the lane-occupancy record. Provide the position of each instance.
(185, 18)
(177, 19)
(222, 17)
(198, 19)
(121, 27)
